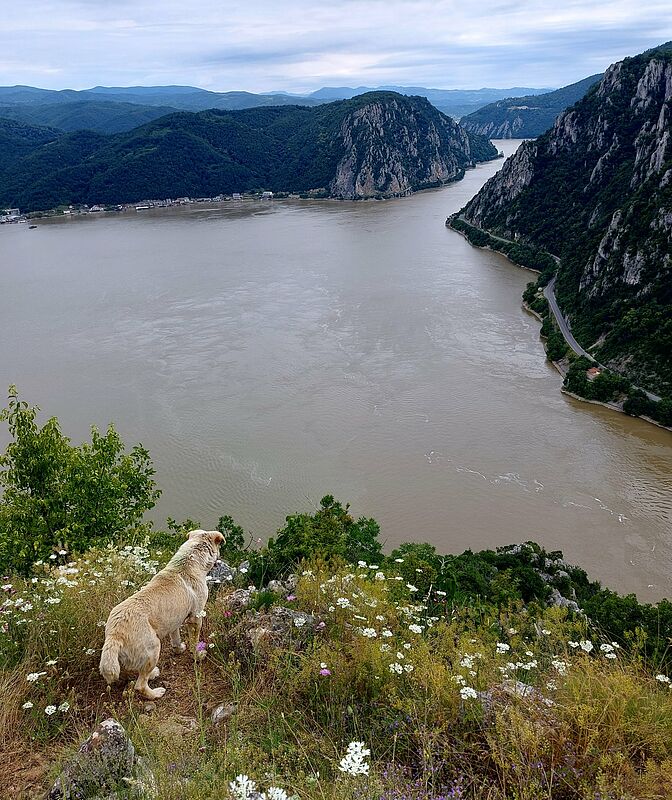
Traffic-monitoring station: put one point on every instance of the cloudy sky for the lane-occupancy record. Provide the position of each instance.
(300, 45)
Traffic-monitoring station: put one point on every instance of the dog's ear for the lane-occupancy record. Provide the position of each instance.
(217, 538)
(193, 534)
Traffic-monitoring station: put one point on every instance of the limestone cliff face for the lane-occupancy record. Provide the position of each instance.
(597, 191)
(392, 145)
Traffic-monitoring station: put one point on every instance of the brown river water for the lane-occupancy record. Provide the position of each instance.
(270, 353)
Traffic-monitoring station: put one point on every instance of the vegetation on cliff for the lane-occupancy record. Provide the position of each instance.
(465, 676)
(525, 117)
(596, 190)
(376, 145)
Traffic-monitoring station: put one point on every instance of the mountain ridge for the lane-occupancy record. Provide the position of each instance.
(596, 190)
(376, 145)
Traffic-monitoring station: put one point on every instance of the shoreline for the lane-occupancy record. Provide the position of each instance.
(558, 367)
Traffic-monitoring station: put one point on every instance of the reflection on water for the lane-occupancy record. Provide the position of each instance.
(268, 354)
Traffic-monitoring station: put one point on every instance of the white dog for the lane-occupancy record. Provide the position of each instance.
(176, 595)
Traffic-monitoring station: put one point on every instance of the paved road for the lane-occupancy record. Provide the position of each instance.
(563, 324)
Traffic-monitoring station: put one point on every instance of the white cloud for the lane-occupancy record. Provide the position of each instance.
(300, 45)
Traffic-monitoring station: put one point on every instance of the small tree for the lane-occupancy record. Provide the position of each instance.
(59, 496)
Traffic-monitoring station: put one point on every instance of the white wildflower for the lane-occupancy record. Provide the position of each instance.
(396, 667)
(299, 622)
(546, 632)
(607, 648)
(586, 645)
(27, 705)
(370, 633)
(64, 706)
(354, 762)
(343, 602)
(561, 666)
(415, 628)
(386, 633)
(574, 645)
(276, 793)
(610, 655)
(49, 710)
(502, 647)
(466, 693)
(241, 787)
(408, 667)
(662, 678)
(31, 677)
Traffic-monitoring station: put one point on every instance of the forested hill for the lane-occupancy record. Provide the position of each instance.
(597, 191)
(380, 144)
(526, 117)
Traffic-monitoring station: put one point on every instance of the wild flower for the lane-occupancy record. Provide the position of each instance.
(467, 693)
(546, 632)
(343, 602)
(560, 666)
(64, 706)
(396, 667)
(607, 648)
(415, 628)
(573, 645)
(49, 710)
(200, 647)
(411, 588)
(370, 633)
(662, 678)
(610, 655)
(586, 645)
(299, 622)
(354, 761)
(31, 677)
(386, 633)
(291, 597)
(276, 793)
(241, 787)
(27, 705)
(502, 647)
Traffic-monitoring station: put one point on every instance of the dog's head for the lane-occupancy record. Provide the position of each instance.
(207, 541)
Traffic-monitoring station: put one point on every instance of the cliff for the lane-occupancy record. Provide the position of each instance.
(525, 117)
(379, 144)
(596, 190)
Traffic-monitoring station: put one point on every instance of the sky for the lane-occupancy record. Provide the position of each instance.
(299, 46)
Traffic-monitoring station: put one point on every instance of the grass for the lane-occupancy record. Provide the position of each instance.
(451, 700)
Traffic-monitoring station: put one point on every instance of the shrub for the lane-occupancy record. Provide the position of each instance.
(57, 496)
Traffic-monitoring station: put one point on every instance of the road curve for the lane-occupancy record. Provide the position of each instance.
(563, 324)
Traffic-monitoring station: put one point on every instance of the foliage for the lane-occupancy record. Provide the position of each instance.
(331, 533)
(280, 148)
(452, 701)
(606, 387)
(60, 497)
(588, 197)
(525, 117)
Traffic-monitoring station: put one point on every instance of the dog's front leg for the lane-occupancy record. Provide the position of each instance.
(194, 623)
(177, 644)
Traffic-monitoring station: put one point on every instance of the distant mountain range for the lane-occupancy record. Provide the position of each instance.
(525, 117)
(379, 144)
(116, 109)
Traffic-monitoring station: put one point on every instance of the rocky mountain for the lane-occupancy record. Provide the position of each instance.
(525, 117)
(596, 190)
(376, 145)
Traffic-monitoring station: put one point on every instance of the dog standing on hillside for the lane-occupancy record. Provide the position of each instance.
(175, 596)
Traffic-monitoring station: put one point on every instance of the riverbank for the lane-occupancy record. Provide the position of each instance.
(521, 255)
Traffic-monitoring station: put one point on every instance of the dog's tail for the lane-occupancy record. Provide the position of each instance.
(109, 660)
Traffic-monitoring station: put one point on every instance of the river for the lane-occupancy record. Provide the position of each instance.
(270, 353)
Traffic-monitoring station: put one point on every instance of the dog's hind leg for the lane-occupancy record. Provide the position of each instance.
(177, 644)
(149, 670)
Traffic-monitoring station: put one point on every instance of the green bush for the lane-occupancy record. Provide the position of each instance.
(56, 496)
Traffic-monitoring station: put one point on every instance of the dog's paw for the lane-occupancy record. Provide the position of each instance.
(180, 648)
(155, 694)
(153, 674)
